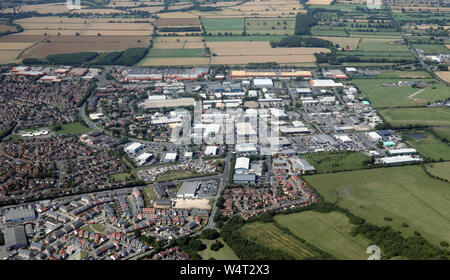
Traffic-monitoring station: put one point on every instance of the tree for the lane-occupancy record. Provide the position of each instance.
(209, 234)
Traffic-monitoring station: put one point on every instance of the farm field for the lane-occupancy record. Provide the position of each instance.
(404, 75)
(7, 28)
(329, 232)
(254, 38)
(432, 48)
(277, 26)
(439, 169)
(167, 61)
(216, 25)
(246, 52)
(395, 96)
(8, 56)
(442, 132)
(405, 194)
(175, 52)
(326, 162)
(268, 235)
(382, 45)
(429, 147)
(444, 75)
(73, 44)
(177, 22)
(224, 253)
(343, 42)
(416, 116)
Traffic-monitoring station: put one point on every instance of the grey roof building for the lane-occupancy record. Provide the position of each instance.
(244, 178)
(15, 238)
(19, 215)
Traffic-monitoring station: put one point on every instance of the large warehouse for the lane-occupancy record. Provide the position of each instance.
(19, 216)
(15, 238)
(242, 165)
(189, 189)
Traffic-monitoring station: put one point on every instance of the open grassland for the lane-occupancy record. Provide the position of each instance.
(439, 169)
(329, 232)
(268, 235)
(247, 52)
(395, 96)
(416, 116)
(225, 253)
(175, 52)
(444, 75)
(405, 194)
(74, 44)
(216, 25)
(326, 162)
(430, 147)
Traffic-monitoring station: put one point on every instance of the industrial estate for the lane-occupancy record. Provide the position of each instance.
(224, 130)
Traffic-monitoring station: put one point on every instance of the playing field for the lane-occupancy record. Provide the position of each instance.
(416, 116)
(439, 169)
(73, 129)
(329, 232)
(225, 253)
(405, 194)
(325, 162)
(430, 147)
(395, 96)
(268, 235)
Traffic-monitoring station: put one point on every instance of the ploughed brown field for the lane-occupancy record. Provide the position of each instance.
(73, 44)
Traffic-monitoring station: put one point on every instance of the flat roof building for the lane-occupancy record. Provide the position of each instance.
(260, 83)
(242, 164)
(244, 178)
(170, 157)
(15, 238)
(133, 148)
(211, 150)
(189, 189)
(19, 216)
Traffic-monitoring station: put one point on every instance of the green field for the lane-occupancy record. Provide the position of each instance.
(225, 253)
(382, 45)
(326, 162)
(175, 52)
(443, 132)
(405, 194)
(242, 38)
(270, 25)
(120, 177)
(432, 48)
(223, 24)
(73, 129)
(399, 117)
(396, 96)
(268, 235)
(439, 169)
(404, 75)
(329, 232)
(430, 147)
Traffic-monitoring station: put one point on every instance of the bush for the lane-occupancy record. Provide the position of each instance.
(216, 245)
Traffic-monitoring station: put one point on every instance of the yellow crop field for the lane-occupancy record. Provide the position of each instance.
(6, 28)
(8, 56)
(99, 11)
(240, 59)
(319, 2)
(11, 46)
(175, 61)
(257, 48)
(444, 75)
